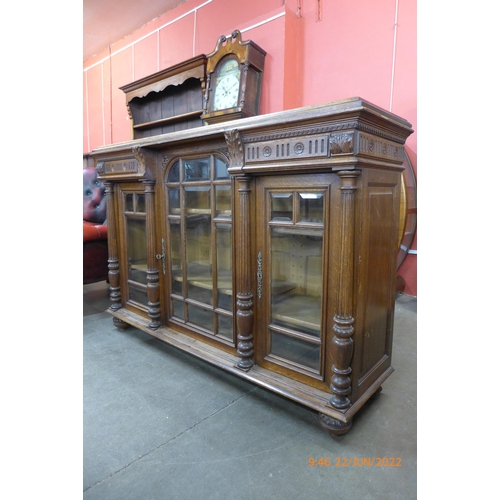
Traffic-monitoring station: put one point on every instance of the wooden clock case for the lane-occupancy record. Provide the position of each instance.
(250, 58)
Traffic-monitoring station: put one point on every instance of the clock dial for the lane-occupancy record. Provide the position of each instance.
(226, 92)
(227, 85)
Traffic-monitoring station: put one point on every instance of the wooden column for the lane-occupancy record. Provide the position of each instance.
(343, 327)
(244, 296)
(152, 275)
(113, 263)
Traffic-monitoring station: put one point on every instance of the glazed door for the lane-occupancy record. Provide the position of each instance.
(133, 248)
(292, 251)
(198, 249)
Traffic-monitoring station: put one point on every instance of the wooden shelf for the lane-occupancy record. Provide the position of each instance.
(301, 311)
(169, 100)
(204, 279)
(170, 119)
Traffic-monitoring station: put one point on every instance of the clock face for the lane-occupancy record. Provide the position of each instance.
(227, 86)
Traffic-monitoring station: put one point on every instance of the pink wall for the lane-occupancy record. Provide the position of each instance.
(327, 50)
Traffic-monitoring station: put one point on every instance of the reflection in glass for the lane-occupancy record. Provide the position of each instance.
(295, 350)
(296, 272)
(200, 317)
(199, 258)
(141, 203)
(197, 199)
(197, 169)
(137, 294)
(223, 200)
(282, 206)
(174, 202)
(225, 326)
(221, 169)
(310, 207)
(173, 174)
(129, 202)
(136, 248)
(178, 308)
(224, 265)
(176, 256)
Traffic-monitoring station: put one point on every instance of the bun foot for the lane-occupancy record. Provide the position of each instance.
(121, 325)
(333, 426)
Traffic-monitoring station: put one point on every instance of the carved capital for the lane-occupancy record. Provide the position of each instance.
(146, 160)
(234, 142)
(341, 143)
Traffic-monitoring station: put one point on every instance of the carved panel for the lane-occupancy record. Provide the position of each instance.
(380, 148)
(123, 165)
(309, 146)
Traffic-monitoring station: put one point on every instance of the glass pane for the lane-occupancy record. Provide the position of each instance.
(173, 174)
(296, 279)
(129, 202)
(136, 247)
(295, 350)
(225, 326)
(282, 206)
(223, 200)
(199, 257)
(141, 203)
(138, 295)
(221, 169)
(224, 265)
(201, 317)
(178, 309)
(174, 202)
(197, 169)
(311, 207)
(197, 199)
(176, 257)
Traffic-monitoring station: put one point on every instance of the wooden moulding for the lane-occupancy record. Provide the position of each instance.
(296, 391)
(175, 75)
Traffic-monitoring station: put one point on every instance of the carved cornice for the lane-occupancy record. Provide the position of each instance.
(301, 132)
(325, 129)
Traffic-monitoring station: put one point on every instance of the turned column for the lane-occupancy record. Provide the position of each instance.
(113, 264)
(343, 327)
(152, 275)
(244, 296)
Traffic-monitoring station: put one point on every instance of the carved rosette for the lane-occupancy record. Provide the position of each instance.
(343, 321)
(113, 263)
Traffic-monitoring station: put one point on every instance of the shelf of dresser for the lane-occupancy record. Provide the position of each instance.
(300, 311)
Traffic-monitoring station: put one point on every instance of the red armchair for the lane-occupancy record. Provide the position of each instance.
(95, 230)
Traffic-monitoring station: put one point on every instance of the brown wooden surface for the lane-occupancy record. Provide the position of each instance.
(350, 151)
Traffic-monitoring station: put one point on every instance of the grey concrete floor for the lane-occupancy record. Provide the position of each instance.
(160, 424)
